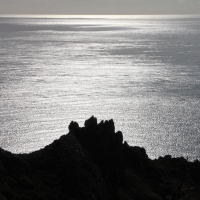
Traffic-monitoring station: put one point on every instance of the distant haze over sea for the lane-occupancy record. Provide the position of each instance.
(141, 71)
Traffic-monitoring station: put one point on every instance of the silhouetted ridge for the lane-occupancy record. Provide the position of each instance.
(93, 163)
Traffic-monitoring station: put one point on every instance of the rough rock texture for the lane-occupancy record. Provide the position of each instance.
(93, 163)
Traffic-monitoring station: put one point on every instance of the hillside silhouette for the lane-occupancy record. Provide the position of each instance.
(94, 163)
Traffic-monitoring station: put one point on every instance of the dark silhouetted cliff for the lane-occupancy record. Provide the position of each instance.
(94, 163)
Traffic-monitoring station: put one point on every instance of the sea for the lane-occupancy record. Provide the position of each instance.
(141, 71)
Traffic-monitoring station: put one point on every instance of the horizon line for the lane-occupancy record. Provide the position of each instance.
(93, 16)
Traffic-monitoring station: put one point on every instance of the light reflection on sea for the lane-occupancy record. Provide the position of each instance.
(142, 72)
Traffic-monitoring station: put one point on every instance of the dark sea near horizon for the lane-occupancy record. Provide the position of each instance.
(141, 71)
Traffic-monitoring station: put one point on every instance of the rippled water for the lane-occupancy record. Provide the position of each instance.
(144, 72)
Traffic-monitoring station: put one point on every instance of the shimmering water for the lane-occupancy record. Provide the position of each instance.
(144, 72)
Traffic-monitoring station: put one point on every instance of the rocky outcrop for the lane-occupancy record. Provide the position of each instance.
(94, 163)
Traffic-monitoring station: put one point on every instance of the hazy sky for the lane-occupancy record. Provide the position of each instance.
(78, 7)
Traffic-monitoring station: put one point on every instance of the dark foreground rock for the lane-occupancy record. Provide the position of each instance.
(93, 163)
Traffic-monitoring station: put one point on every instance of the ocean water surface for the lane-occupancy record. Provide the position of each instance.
(141, 71)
